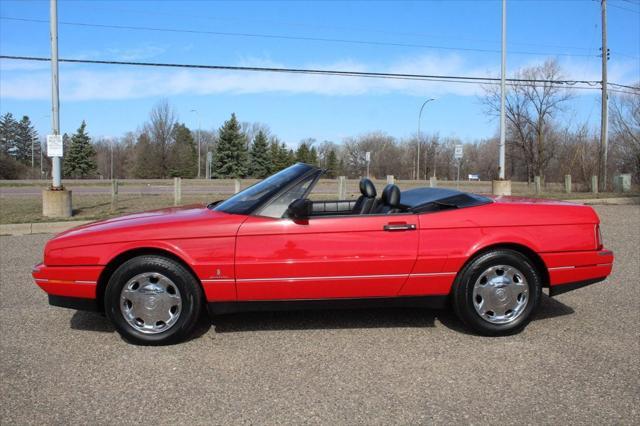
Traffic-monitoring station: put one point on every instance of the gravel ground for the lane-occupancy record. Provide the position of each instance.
(577, 362)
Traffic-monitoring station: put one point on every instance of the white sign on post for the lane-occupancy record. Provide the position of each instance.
(54, 145)
(367, 156)
(458, 152)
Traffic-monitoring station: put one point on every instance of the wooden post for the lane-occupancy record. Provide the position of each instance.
(594, 184)
(236, 188)
(114, 194)
(537, 184)
(177, 191)
(342, 188)
(567, 184)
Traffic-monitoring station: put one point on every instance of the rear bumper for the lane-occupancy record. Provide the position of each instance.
(70, 287)
(572, 270)
(559, 289)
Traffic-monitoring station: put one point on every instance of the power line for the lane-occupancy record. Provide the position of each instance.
(574, 84)
(308, 25)
(624, 8)
(286, 37)
(625, 86)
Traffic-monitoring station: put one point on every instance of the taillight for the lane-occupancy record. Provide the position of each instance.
(599, 243)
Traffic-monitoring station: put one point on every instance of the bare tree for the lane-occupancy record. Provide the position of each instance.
(530, 109)
(160, 129)
(625, 123)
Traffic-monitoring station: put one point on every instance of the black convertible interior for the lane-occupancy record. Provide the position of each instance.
(366, 203)
(392, 200)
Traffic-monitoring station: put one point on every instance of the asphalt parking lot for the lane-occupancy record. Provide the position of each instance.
(577, 362)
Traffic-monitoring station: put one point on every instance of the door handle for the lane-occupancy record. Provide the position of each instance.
(399, 227)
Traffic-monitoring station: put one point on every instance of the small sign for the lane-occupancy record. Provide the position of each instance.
(458, 152)
(209, 156)
(367, 156)
(54, 145)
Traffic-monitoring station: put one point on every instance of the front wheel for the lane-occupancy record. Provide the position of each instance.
(497, 292)
(153, 300)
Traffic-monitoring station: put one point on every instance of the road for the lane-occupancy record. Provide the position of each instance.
(577, 362)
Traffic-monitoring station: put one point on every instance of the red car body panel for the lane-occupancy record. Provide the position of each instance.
(253, 258)
(323, 257)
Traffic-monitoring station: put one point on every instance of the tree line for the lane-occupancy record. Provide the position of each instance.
(539, 143)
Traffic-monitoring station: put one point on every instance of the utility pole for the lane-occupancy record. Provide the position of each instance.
(502, 186)
(198, 116)
(55, 101)
(56, 200)
(604, 122)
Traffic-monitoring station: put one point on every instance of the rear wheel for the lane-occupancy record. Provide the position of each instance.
(496, 293)
(153, 300)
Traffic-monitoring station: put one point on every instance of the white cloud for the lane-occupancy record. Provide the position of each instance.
(84, 83)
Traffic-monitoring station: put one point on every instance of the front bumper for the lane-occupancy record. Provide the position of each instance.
(71, 287)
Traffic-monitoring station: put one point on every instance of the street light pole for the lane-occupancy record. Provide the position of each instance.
(55, 102)
(56, 200)
(501, 168)
(502, 186)
(198, 116)
(419, 119)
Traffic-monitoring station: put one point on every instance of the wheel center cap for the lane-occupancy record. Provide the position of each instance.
(501, 294)
(151, 303)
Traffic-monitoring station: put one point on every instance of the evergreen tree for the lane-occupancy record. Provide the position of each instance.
(278, 157)
(332, 164)
(260, 163)
(313, 157)
(184, 158)
(27, 147)
(80, 160)
(291, 156)
(303, 154)
(231, 156)
(145, 158)
(8, 131)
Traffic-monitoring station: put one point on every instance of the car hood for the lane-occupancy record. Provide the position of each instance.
(193, 221)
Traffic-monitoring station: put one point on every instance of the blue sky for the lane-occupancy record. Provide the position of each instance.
(115, 99)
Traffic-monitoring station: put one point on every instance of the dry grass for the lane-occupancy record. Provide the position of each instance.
(25, 208)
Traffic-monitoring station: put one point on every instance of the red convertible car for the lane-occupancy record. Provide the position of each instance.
(271, 247)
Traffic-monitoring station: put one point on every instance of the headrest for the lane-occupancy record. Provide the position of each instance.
(367, 188)
(391, 195)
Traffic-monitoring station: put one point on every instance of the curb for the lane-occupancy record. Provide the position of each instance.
(40, 227)
(621, 201)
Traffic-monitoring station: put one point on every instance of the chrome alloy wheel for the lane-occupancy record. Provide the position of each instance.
(150, 303)
(500, 294)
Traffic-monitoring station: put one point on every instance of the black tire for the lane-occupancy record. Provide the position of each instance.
(189, 290)
(462, 296)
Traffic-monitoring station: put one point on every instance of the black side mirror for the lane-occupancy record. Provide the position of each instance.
(302, 208)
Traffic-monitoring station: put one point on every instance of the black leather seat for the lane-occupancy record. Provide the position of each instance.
(390, 200)
(367, 201)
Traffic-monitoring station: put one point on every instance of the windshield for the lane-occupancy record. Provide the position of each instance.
(247, 200)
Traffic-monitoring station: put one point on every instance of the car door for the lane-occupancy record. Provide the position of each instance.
(325, 257)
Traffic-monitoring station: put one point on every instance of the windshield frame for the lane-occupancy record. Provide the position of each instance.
(228, 206)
